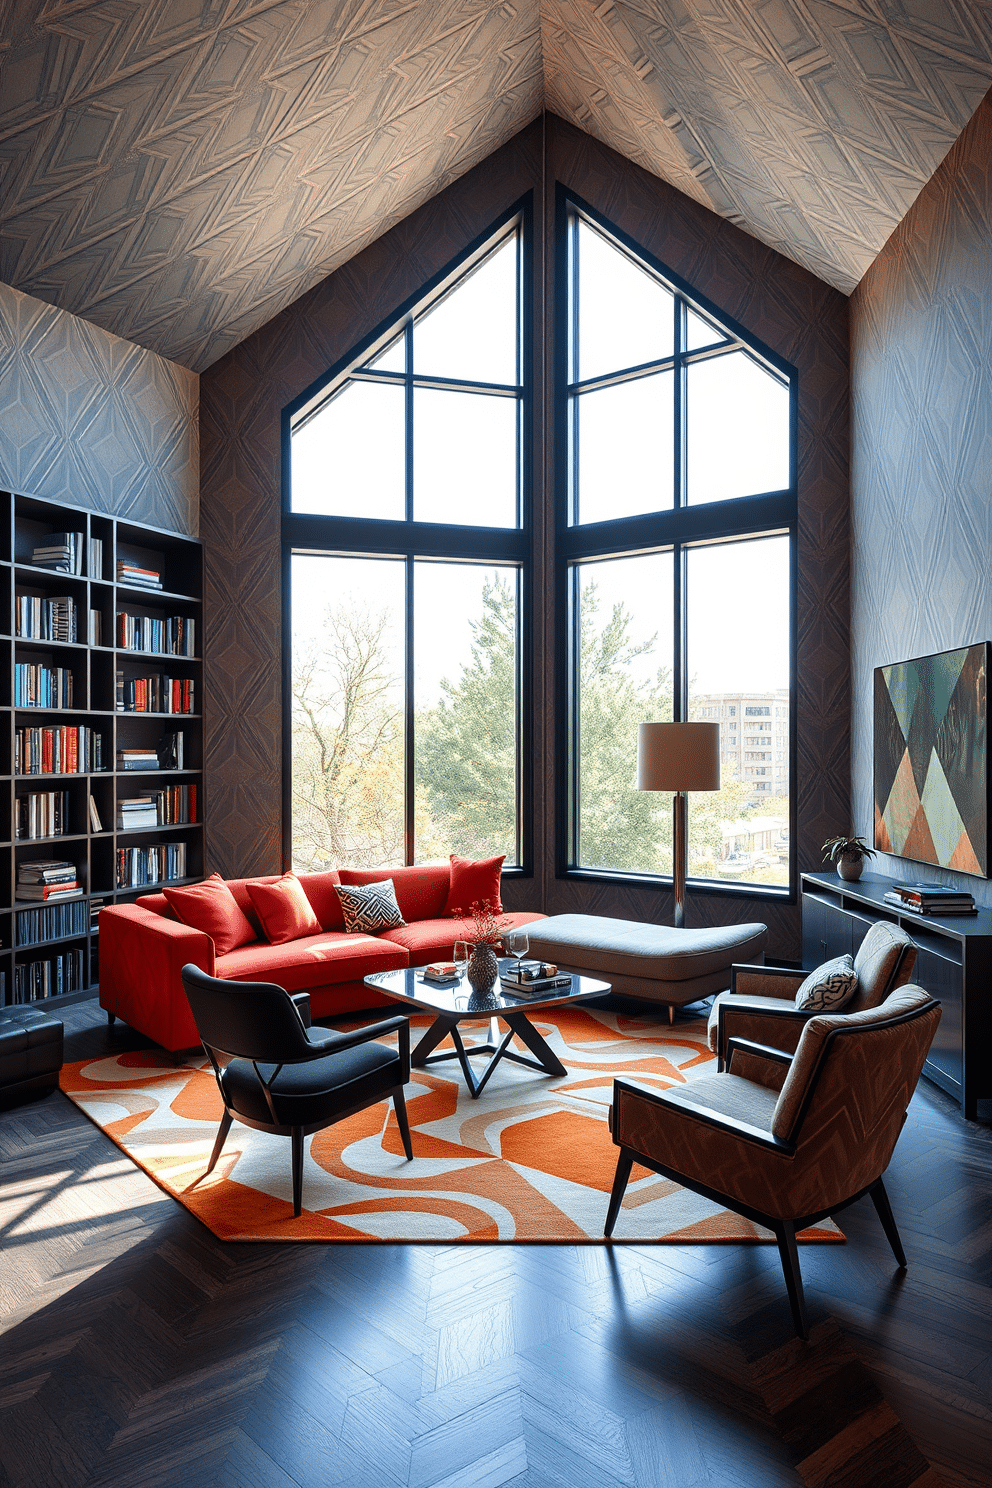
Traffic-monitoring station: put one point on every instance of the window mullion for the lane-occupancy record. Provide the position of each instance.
(409, 730)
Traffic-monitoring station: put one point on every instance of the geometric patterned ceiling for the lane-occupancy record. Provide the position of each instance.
(177, 171)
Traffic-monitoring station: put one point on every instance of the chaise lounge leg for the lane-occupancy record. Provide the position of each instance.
(111, 1020)
(884, 1211)
(785, 1234)
(624, 1164)
(399, 1106)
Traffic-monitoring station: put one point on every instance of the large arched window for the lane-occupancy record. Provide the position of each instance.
(405, 530)
(677, 483)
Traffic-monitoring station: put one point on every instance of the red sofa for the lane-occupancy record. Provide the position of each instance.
(144, 946)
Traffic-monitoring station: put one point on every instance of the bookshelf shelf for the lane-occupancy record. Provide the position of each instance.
(99, 592)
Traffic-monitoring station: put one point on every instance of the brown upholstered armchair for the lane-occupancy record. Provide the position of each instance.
(787, 1158)
(761, 1002)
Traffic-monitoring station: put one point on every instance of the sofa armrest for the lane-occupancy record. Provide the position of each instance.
(141, 958)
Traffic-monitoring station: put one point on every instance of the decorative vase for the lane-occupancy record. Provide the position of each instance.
(849, 867)
(483, 968)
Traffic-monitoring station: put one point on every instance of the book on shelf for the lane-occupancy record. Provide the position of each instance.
(173, 806)
(38, 686)
(95, 907)
(137, 812)
(37, 618)
(174, 635)
(95, 565)
(57, 751)
(50, 922)
(53, 977)
(938, 907)
(137, 866)
(61, 551)
(49, 892)
(137, 576)
(155, 694)
(96, 825)
(96, 628)
(137, 759)
(41, 814)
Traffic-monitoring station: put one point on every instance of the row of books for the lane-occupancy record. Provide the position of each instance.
(175, 635)
(173, 806)
(137, 576)
(137, 866)
(35, 980)
(41, 814)
(155, 694)
(37, 686)
(168, 755)
(51, 922)
(48, 879)
(40, 619)
(931, 899)
(57, 751)
(63, 552)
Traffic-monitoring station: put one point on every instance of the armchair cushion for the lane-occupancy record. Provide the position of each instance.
(211, 907)
(829, 987)
(299, 1094)
(283, 908)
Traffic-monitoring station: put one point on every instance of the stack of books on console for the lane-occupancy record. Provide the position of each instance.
(931, 899)
(136, 576)
(48, 879)
(61, 551)
(531, 977)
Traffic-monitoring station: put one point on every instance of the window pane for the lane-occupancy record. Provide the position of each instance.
(466, 711)
(625, 316)
(626, 448)
(738, 658)
(349, 460)
(738, 429)
(347, 712)
(700, 333)
(393, 359)
(465, 458)
(473, 332)
(625, 678)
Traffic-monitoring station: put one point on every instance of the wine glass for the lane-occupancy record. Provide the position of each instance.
(461, 952)
(518, 944)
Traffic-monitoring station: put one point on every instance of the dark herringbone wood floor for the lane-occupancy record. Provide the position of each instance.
(139, 1350)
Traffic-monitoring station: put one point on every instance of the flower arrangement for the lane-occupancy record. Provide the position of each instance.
(487, 924)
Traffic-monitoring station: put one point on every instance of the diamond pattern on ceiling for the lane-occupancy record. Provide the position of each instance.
(178, 171)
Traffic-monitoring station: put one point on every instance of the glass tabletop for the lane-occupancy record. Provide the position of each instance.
(459, 999)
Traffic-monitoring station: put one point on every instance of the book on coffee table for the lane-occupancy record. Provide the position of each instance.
(533, 986)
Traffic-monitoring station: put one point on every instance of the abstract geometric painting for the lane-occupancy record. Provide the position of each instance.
(931, 774)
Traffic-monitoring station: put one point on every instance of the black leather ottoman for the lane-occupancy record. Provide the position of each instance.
(30, 1054)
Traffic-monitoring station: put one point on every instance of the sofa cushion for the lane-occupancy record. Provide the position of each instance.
(316, 961)
(421, 892)
(211, 907)
(370, 907)
(320, 889)
(426, 940)
(284, 909)
(474, 883)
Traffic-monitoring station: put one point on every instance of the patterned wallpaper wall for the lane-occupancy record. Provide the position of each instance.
(921, 336)
(241, 402)
(90, 418)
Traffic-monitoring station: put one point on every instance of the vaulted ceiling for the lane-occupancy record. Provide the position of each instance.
(178, 171)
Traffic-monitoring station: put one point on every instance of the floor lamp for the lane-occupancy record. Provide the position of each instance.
(678, 757)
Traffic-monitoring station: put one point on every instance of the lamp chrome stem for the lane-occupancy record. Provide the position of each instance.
(680, 833)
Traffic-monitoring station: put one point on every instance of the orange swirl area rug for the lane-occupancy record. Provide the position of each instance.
(531, 1160)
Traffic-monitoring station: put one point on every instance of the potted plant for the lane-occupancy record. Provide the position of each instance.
(848, 854)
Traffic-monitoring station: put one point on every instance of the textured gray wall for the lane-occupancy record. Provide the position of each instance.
(89, 418)
(921, 349)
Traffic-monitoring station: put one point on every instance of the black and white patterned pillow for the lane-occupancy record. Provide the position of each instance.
(371, 908)
(829, 987)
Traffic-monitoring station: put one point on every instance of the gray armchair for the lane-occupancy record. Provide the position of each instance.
(761, 1002)
(787, 1158)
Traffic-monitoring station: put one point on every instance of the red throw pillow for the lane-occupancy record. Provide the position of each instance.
(474, 883)
(284, 910)
(210, 906)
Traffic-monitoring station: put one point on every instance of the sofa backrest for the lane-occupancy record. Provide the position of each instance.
(421, 892)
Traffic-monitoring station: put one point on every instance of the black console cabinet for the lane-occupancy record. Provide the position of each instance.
(954, 965)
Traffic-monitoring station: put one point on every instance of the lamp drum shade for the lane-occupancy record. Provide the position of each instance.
(678, 756)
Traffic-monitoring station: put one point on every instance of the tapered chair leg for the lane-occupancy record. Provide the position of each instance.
(785, 1234)
(624, 1164)
(297, 1171)
(399, 1106)
(221, 1138)
(884, 1211)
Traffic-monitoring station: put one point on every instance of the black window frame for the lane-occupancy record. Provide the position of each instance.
(336, 536)
(677, 529)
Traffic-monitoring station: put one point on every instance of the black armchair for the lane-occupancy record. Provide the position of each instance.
(284, 1077)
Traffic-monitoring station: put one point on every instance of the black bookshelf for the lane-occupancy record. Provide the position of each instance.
(87, 833)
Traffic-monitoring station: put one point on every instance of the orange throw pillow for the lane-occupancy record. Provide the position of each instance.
(284, 909)
(474, 883)
(210, 906)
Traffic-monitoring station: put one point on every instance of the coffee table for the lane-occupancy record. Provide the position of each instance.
(453, 1003)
